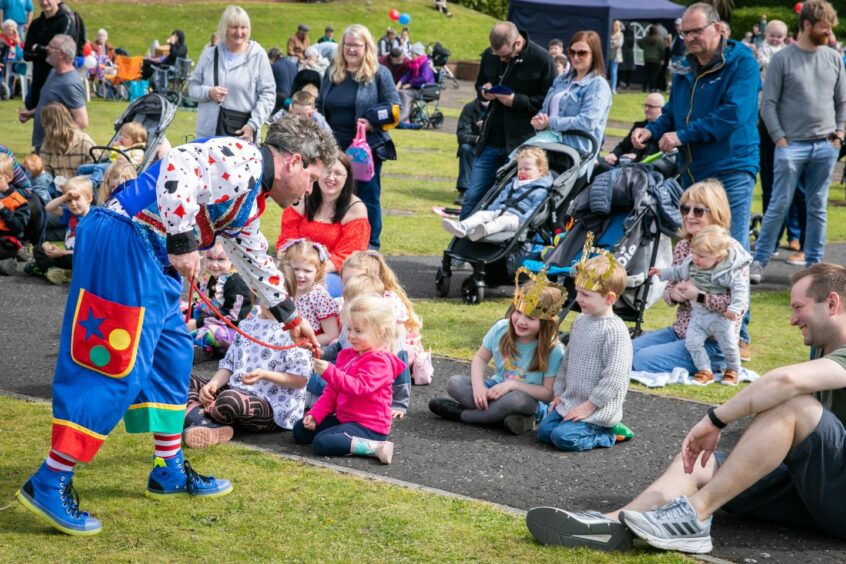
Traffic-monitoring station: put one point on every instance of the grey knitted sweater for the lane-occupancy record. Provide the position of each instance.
(596, 368)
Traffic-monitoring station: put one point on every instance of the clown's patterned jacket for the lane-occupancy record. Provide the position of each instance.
(202, 190)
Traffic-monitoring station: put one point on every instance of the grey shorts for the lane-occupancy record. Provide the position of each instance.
(808, 489)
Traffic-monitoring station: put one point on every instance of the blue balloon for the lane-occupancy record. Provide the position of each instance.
(404, 19)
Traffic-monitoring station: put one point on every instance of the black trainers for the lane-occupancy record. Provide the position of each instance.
(591, 529)
(446, 408)
(519, 424)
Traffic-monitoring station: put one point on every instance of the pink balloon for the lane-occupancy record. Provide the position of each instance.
(394, 14)
(798, 7)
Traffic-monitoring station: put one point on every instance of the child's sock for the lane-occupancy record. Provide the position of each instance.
(383, 450)
(167, 446)
(59, 462)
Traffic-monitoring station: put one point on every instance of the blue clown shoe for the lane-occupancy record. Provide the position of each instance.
(52, 497)
(175, 477)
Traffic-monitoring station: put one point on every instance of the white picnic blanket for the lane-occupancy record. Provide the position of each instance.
(682, 376)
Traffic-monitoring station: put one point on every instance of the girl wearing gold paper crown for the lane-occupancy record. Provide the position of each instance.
(526, 353)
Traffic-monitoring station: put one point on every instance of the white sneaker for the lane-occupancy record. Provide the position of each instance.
(591, 529)
(454, 227)
(671, 527)
(478, 232)
(385, 452)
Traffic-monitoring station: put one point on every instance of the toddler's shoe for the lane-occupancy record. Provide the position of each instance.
(207, 433)
(58, 276)
(729, 377)
(519, 424)
(476, 233)
(446, 408)
(175, 477)
(454, 227)
(796, 259)
(50, 495)
(32, 269)
(622, 433)
(703, 378)
(203, 354)
(385, 452)
(745, 350)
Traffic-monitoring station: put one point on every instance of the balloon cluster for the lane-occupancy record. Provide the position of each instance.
(402, 18)
(798, 7)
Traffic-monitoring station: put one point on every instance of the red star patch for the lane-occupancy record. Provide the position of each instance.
(180, 211)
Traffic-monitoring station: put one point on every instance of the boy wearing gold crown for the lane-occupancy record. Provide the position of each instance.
(591, 385)
(526, 353)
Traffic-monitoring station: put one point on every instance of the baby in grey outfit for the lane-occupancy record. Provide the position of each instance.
(715, 266)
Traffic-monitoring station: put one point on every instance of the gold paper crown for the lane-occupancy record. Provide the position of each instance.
(593, 281)
(526, 300)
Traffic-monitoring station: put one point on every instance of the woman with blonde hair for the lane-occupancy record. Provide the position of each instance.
(233, 81)
(354, 90)
(65, 146)
(615, 53)
(703, 204)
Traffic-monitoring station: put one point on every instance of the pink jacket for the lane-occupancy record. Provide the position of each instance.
(358, 389)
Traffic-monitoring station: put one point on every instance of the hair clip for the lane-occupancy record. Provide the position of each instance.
(322, 254)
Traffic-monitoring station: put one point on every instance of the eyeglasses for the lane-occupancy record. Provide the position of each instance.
(353, 46)
(698, 211)
(650, 107)
(695, 32)
(578, 53)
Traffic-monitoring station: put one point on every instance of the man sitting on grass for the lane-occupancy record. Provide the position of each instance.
(789, 467)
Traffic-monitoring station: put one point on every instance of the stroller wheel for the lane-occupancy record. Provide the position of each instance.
(472, 291)
(173, 97)
(442, 280)
(437, 120)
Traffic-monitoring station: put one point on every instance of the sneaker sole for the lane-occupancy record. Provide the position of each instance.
(160, 495)
(452, 230)
(202, 437)
(554, 527)
(689, 546)
(387, 453)
(33, 507)
(724, 383)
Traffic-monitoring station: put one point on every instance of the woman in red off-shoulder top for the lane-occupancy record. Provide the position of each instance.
(331, 215)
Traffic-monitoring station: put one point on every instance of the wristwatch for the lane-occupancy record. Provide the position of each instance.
(716, 421)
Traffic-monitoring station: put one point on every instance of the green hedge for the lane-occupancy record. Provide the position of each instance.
(742, 19)
(495, 8)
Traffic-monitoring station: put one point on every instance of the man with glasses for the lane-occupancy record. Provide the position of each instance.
(52, 21)
(652, 107)
(125, 351)
(804, 109)
(525, 71)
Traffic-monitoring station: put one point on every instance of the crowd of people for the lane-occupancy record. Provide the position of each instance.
(327, 342)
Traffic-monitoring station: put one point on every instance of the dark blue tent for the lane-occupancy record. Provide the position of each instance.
(549, 19)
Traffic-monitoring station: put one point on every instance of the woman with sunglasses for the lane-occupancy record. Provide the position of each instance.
(579, 99)
(703, 204)
(357, 89)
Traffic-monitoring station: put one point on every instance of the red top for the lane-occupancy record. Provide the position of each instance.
(340, 239)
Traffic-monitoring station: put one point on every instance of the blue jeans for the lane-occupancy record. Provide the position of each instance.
(466, 156)
(482, 178)
(815, 160)
(333, 438)
(573, 436)
(370, 193)
(612, 74)
(662, 351)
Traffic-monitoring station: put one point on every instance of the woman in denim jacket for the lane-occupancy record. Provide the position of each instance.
(581, 99)
(356, 88)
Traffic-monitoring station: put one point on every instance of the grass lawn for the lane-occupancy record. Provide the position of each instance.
(280, 510)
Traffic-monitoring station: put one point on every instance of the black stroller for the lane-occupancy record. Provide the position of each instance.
(439, 58)
(632, 212)
(495, 258)
(152, 111)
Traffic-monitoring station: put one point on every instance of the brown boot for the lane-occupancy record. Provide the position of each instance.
(703, 378)
(745, 351)
(729, 377)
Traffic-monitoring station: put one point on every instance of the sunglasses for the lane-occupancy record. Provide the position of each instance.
(697, 211)
(578, 53)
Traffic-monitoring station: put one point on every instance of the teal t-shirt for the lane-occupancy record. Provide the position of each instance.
(518, 369)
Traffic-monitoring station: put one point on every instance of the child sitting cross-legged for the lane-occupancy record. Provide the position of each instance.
(715, 266)
(308, 261)
(256, 388)
(49, 260)
(353, 416)
(591, 384)
(526, 353)
(514, 205)
(14, 216)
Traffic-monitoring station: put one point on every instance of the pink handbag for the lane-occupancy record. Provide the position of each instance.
(361, 156)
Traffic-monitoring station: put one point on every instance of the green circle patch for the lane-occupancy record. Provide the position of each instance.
(99, 356)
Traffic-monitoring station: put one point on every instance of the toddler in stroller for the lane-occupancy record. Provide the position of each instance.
(514, 205)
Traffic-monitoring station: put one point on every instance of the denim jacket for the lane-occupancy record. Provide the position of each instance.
(531, 196)
(584, 107)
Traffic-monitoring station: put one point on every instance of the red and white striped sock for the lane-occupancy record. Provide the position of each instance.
(167, 446)
(59, 462)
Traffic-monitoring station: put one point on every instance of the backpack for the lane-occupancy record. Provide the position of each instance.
(78, 30)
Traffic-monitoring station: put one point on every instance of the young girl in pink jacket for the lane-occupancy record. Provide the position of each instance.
(353, 416)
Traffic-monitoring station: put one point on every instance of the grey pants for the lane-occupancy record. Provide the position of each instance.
(407, 96)
(705, 323)
(512, 403)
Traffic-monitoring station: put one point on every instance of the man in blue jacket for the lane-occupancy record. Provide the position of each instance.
(712, 114)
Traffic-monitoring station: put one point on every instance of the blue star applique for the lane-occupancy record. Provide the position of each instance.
(92, 324)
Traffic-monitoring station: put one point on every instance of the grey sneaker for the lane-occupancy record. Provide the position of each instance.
(591, 529)
(671, 527)
(756, 272)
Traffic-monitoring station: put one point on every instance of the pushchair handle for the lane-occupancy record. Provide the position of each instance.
(594, 143)
(103, 150)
